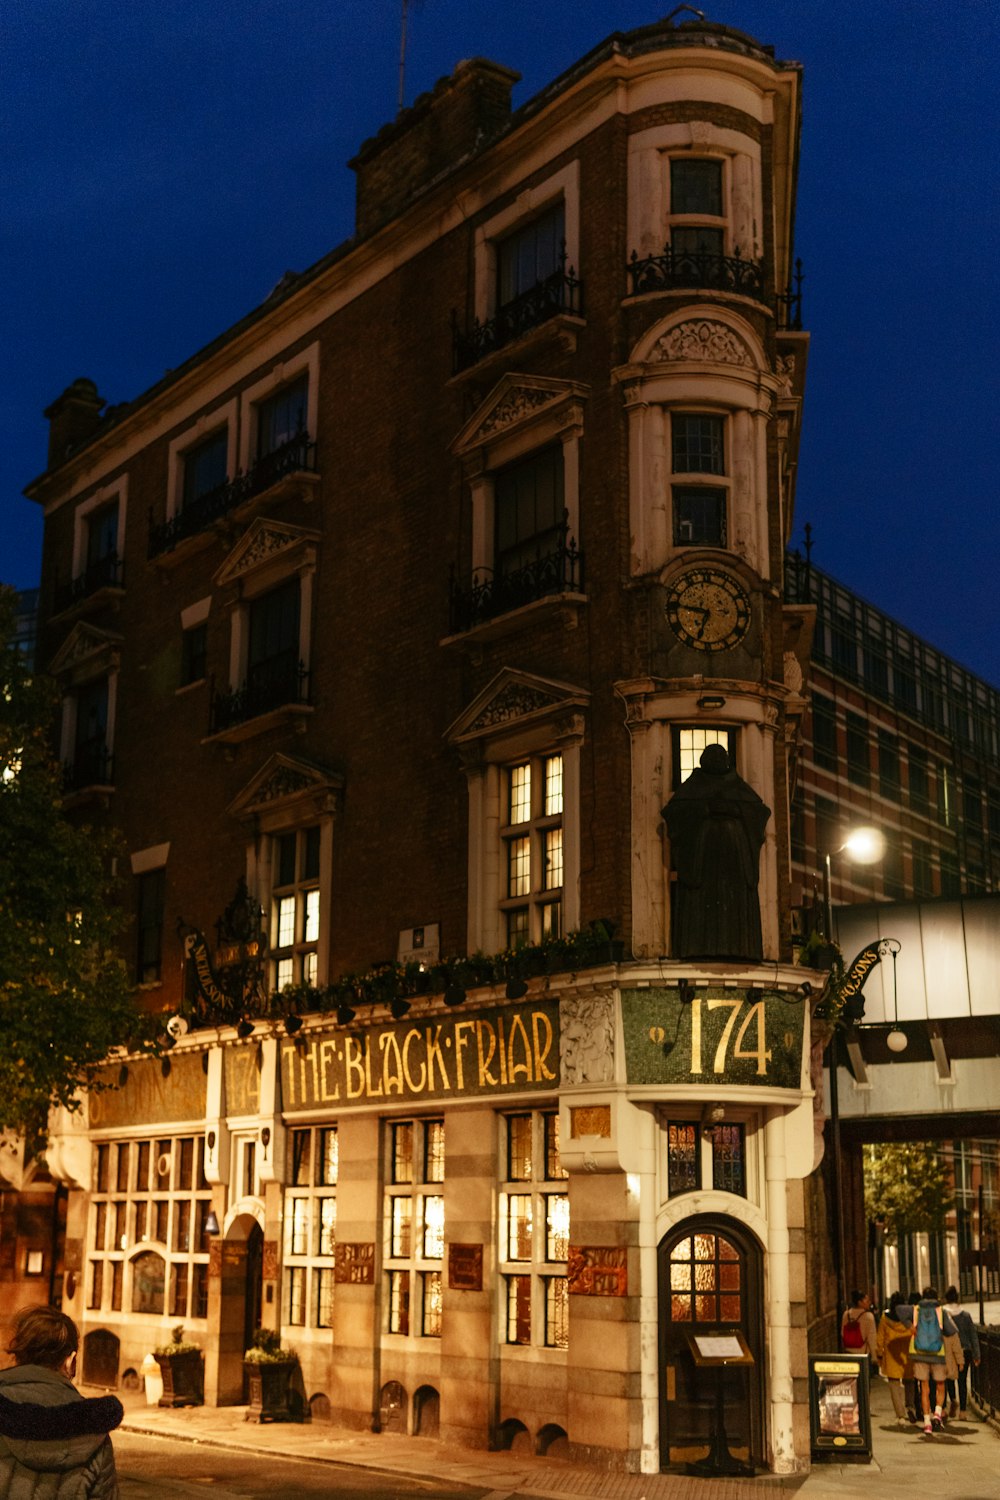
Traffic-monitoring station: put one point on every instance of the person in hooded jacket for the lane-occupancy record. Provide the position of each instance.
(54, 1444)
(969, 1336)
(895, 1330)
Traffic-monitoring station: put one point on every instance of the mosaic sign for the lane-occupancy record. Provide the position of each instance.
(716, 1035)
(465, 1268)
(242, 1074)
(150, 1097)
(597, 1271)
(354, 1265)
(441, 1057)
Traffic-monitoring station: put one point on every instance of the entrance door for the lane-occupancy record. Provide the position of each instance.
(253, 1295)
(710, 1280)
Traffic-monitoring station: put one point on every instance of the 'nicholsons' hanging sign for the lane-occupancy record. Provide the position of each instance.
(713, 1035)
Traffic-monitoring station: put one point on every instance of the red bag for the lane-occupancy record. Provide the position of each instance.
(851, 1335)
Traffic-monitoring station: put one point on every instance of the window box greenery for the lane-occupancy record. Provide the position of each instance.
(182, 1370)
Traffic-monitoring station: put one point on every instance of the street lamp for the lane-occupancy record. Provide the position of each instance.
(863, 846)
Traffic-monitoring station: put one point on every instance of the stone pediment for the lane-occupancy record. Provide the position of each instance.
(263, 542)
(288, 786)
(513, 699)
(86, 646)
(514, 402)
(705, 341)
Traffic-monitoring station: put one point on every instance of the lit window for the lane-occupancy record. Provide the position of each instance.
(295, 907)
(534, 1232)
(311, 1226)
(414, 1227)
(533, 840)
(688, 747)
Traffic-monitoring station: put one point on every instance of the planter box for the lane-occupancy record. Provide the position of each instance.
(183, 1378)
(272, 1398)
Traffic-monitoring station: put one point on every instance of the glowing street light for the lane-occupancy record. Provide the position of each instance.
(864, 845)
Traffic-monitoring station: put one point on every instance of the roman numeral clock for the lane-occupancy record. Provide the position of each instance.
(708, 609)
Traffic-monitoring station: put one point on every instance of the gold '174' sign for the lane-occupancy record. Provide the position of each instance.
(438, 1057)
(713, 1035)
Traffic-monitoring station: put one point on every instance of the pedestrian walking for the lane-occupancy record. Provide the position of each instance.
(931, 1326)
(857, 1326)
(968, 1333)
(895, 1330)
(54, 1445)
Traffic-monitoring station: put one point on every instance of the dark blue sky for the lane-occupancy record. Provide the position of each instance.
(163, 165)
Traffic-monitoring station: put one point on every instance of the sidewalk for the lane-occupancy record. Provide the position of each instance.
(962, 1463)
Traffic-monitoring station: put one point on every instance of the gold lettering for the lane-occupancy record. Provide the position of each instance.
(354, 1063)
(415, 1088)
(328, 1062)
(541, 1054)
(513, 1066)
(485, 1076)
(314, 1059)
(501, 1050)
(289, 1057)
(434, 1052)
(373, 1093)
(461, 1040)
(392, 1082)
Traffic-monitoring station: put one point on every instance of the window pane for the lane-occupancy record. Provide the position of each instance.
(399, 1301)
(553, 859)
(402, 1216)
(517, 927)
(402, 1152)
(519, 808)
(519, 1309)
(519, 1148)
(101, 1172)
(556, 1226)
(699, 516)
(301, 1152)
(323, 1281)
(182, 1224)
(199, 1294)
(96, 1283)
(284, 972)
(696, 186)
(285, 861)
(310, 854)
(519, 867)
(282, 417)
(433, 1228)
(728, 1174)
(434, 1151)
(519, 1226)
(329, 1157)
(689, 745)
(433, 1303)
(696, 240)
(327, 1224)
(205, 466)
(530, 255)
(117, 1271)
(311, 927)
(178, 1291)
(142, 1167)
(697, 443)
(553, 785)
(299, 1244)
(682, 1159)
(552, 920)
(100, 1225)
(528, 510)
(557, 1312)
(553, 1165)
(296, 1295)
(285, 923)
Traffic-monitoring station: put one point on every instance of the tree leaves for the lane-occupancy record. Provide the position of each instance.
(908, 1186)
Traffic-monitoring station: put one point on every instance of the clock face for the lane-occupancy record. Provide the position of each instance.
(708, 609)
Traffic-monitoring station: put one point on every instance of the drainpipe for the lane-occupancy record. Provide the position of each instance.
(779, 1312)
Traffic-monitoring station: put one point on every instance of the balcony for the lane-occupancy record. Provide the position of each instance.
(559, 293)
(490, 595)
(709, 271)
(272, 686)
(106, 574)
(92, 766)
(296, 457)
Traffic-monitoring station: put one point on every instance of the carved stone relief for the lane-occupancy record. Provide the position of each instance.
(587, 1038)
(513, 702)
(703, 340)
(515, 405)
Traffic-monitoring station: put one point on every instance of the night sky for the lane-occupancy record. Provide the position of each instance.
(165, 164)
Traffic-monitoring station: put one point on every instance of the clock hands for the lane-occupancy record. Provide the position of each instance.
(706, 615)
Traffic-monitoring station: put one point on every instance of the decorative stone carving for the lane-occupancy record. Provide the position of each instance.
(513, 702)
(520, 402)
(785, 371)
(792, 671)
(705, 340)
(587, 1038)
(265, 544)
(285, 782)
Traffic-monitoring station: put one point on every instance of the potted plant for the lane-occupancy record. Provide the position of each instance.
(182, 1371)
(270, 1370)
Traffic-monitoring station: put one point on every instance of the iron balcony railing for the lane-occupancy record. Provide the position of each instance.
(687, 269)
(296, 456)
(92, 765)
(106, 573)
(559, 293)
(491, 594)
(269, 685)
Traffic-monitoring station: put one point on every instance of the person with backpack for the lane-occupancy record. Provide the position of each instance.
(969, 1336)
(857, 1326)
(893, 1339)
(931, 1325)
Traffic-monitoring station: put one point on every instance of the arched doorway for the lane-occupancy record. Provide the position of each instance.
(710, 1275)
(242, 1273)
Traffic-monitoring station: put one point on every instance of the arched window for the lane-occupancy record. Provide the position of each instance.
(148, 1275)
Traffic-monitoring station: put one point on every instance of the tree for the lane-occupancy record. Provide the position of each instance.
(65, 998)
(908, 1186)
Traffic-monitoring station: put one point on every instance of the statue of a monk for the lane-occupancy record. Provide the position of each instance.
(716, 824)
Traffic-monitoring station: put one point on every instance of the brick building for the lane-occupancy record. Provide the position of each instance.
(411, 602)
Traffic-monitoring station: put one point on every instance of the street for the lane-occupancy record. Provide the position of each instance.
(152, 1468)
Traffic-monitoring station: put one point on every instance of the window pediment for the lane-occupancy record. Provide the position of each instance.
(518, 701)
(286, 790)
(517, 402)
(268, 545)
(88, 651)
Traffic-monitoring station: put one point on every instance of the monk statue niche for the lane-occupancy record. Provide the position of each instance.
(716, 824)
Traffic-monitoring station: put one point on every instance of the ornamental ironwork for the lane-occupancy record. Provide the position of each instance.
(297, 456)
(561, 292)
(106, 573)
(269, 685)
(228, 987)
(491, 594)
(696, 268)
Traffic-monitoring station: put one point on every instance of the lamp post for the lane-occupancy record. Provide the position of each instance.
(864, 846)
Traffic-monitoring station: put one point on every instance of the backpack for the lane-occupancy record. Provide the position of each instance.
(851, 1334)
(928, 1335)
